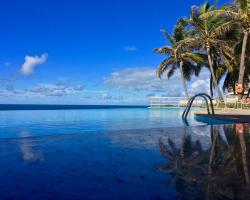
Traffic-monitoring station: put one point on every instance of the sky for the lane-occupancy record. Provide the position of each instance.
(87, 52)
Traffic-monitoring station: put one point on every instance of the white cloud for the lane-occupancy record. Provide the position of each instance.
(130, 48)
(107, 97)
(144, 79)
(43, 90)
(56, 90)
(31, 62)
(95, 91)
(199, 86)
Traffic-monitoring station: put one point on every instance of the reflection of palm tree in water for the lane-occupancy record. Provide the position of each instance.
(220, 172)
(186, 165)
(240, 132)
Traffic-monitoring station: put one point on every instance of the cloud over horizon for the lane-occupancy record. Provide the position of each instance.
(144, 79)
(31, 63)
(199, 86)
(42, 90)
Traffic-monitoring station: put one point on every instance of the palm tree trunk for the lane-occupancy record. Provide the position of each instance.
(242, 59)
(183, 79)
(214, 135)
(211, 87)
(213, 75)
(234, 85)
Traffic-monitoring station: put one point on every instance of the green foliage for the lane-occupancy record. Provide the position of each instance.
(177, 54)
(219, 30)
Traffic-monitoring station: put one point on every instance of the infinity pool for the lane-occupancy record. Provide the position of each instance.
(51, 122)
(120, 154)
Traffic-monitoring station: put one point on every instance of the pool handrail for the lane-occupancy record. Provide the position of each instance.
(190, 102)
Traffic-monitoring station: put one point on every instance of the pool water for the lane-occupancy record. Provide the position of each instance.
(120, 154)
(51, 122)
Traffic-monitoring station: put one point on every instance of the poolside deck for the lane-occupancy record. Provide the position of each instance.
(238, 115)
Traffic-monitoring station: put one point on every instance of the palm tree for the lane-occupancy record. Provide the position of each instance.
(230, 69)
(178, 56)
(239, 14)
(232, 72)
(208, 32)
(220, 69)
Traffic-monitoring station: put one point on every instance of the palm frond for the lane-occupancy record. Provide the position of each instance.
(168, 37)
(199, 58)
(187, 42)
(166, 50)
(165, 64)
(243, 5)
(221, 30)
(171, 71)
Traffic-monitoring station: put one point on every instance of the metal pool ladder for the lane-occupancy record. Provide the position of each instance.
(206, 97)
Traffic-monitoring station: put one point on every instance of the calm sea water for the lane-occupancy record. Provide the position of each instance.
(94, 154)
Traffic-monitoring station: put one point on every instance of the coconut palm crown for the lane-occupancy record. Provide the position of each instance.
(178, 56)
(209, 32)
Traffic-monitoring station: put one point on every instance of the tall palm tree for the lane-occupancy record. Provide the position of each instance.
(230, 68)
(178, 56)
(232, 72)
(208, 32)
(239, 14)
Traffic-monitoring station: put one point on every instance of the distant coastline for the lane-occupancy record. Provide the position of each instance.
(63, 107)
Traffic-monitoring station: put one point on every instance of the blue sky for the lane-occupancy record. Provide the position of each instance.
(86, 52)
